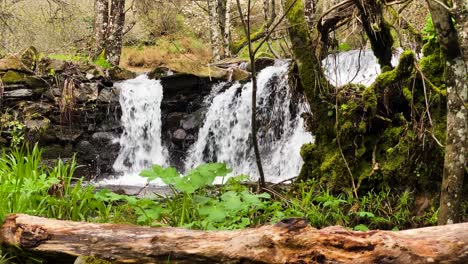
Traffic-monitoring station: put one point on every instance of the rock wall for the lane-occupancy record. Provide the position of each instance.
(68, 108)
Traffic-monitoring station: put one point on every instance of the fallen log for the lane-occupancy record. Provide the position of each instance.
(289, 241)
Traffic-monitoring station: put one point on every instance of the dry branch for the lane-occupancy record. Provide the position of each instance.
(289, 241)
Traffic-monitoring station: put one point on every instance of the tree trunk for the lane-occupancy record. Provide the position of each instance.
(457, 100)
(289, 241)
(377, 30)
(116, 26)
(100, 26)
(227, 30)
(215, 33)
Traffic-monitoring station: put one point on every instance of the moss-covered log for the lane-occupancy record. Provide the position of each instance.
(289, 241)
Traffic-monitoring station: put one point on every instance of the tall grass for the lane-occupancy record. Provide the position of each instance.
(28, 186)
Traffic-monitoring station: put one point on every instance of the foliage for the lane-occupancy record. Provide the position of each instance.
(28, 186)
(102, 62)
(194, 203)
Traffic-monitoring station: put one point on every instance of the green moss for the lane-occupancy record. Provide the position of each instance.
(13, 77)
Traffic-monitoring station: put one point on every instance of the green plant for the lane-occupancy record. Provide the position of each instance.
(28, 186)
(102, 62)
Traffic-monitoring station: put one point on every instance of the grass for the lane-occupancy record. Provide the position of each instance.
(166, 49)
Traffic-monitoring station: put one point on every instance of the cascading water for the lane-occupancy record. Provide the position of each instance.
(354, 66)
(140, 142)
(225, 135)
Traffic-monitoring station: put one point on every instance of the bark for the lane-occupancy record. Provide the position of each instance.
(289, 241)
(215, 33)
(377, 30)
(227, 30)
(100, 26)
(116, 27)
(452, 42)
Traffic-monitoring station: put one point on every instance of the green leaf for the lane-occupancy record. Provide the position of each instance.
(361, 227)
(365, 214)
(232, 202)
(213, 214)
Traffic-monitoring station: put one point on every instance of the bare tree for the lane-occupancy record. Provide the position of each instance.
(454, 43)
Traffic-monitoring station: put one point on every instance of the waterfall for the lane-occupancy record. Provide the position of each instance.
(140, 142)
(354, 66)
(225, 135)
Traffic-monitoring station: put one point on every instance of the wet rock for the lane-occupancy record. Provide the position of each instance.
(42, 108)
(104, 137)
(179, 135)
(86, 92)
(109, 95)
(85, 147)
(172, 121)
(191, 122)
(68, 134)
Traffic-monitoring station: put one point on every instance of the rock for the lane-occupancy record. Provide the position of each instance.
(110, 124)
(240, 75)
(68, 134)
(13, 77)
(197, 69)
(173, 120)
(159, 73)
(104, 137)
(179, 135)
(19, 93)
(117, 74)
(191, 122)
(41, 108)
(11, 63)
(86, 92)
(37, 125)
(109, 95)
(84, 147)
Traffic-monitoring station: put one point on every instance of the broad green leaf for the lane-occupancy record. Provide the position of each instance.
(365, 214)
(214, 214)
(361, 227)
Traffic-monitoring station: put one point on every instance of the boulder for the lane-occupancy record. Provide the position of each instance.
(35, 125)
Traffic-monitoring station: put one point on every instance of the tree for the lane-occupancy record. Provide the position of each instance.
(381, 135)
(454, 43)
(109, 29)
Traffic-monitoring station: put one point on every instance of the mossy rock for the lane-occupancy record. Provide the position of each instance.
(13, 77)
(117, 74)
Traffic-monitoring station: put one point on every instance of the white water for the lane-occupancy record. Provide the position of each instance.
(140, 142)
(354, 66)
(225, 134)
